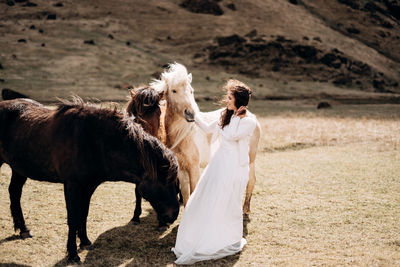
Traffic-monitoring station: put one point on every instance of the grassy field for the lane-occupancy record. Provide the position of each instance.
(327, 193)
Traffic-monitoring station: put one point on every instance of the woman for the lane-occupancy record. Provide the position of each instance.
(212, 222)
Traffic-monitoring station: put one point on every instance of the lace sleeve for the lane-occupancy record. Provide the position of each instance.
(207, 128)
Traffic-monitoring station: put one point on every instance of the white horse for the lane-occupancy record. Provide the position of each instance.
(191, 145)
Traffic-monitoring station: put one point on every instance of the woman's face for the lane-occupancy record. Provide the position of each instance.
(230, 102)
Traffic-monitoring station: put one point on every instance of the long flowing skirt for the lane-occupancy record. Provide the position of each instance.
(212, 222)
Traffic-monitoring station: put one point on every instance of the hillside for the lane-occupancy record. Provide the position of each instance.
(293, 48)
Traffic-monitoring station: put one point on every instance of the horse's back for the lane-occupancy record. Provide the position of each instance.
(11, 112)
(50, 145)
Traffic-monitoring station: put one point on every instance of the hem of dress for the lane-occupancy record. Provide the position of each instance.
(193, 257)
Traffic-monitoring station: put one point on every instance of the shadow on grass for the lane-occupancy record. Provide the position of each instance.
(10, 238)
(125, 243)
(139, 245)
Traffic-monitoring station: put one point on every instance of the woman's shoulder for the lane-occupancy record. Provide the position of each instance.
(248, 122)
(250, 118)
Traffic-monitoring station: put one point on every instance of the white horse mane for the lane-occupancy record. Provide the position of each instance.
(176, 76)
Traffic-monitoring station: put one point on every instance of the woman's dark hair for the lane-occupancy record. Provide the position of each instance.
(241, 93)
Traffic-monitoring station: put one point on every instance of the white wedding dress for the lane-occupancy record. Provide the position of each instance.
(212, 221)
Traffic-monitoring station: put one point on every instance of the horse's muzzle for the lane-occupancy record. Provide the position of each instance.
(170, 215)
(189, 115)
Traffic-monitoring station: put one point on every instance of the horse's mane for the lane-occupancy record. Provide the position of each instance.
(176, 75)
(155, 157)
(145, 101)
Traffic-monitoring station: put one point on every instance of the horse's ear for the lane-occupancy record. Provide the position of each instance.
(133, 94)
(190, 78)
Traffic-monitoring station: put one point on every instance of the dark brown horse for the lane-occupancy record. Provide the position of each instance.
(82, 146)
(146, 110)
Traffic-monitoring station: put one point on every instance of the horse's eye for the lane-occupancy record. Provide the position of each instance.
(174, 91)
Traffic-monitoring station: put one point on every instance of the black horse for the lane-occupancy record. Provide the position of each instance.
(145, 109)
(82, 146)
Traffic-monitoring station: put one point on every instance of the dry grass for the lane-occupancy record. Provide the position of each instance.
(296, 132)
(327, 193)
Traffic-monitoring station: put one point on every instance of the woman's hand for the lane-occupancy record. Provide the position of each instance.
(241, 112)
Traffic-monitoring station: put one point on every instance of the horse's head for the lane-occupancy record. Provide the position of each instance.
(176, 85)
(144, 106)
(163, 198)
(159, 187)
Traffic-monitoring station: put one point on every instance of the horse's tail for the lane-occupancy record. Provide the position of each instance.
(2, 129)
(4, 124)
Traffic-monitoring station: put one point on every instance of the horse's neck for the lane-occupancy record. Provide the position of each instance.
(177, 129)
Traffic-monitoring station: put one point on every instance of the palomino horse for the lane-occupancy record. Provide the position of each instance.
(179, 127)
(182, 133)
(82, 146)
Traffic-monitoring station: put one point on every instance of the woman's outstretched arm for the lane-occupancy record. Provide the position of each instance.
(206, 127)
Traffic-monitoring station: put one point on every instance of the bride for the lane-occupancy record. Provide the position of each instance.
(212, 222)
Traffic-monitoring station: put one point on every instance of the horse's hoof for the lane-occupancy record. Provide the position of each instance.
(86, 245)
(162, 228)
(74, 260)
(25, 235)
(134, 222)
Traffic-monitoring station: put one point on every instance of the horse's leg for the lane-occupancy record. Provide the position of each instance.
(178, 189)
(194, 175)
(73, 200)
(82, 232)
(184, 182)
(249, 188)
(15, 190)
(138, 207)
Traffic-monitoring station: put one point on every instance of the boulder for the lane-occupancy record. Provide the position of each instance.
(203, 6)
(322, 105)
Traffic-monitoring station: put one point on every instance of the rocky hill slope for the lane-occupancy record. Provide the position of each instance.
(97, 48)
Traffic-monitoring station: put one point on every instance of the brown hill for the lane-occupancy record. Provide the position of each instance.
(98, 48)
